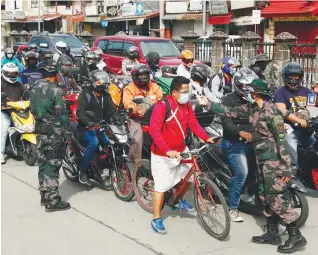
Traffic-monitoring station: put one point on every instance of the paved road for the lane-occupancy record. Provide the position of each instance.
(100, 224)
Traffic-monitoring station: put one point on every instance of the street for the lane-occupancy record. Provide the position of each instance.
(99, 223)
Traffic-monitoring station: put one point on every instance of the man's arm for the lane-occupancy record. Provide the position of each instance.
(290, 116)
(60, 108)
(216, 82)
(195, 126)
(128, 100)
(81, 109)
(230, 112)
(124, 67)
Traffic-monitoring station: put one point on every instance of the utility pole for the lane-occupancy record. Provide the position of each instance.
(161, 14)
(39, 16)
(204, 18)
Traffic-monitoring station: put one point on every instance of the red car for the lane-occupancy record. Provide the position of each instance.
(114, 50)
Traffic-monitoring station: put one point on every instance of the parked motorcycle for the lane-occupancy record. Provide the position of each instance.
(21, 142)
(110, 164)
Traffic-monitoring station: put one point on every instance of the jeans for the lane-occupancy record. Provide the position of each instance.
(237, 154)
(293, 141)
(5, 124)
(92, 138)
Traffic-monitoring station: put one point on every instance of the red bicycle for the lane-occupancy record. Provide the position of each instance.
(208, 199)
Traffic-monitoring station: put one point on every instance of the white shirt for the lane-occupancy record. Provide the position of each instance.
(183, 71)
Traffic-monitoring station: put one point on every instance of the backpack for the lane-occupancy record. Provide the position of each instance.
(211, 79)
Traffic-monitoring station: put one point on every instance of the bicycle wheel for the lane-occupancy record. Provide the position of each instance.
(212, 209)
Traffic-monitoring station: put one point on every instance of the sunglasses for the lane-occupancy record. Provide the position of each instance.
(187, 61)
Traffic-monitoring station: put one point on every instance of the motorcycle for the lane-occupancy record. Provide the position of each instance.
(21, 142)
(110, 164)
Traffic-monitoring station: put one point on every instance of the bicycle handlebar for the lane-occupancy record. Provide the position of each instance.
(188, 154)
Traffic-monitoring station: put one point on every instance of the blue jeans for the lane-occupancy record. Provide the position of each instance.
(237, 154)
(293, 141)
(5, 124)
(92, 138)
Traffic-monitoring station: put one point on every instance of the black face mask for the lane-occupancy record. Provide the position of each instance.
(100, 88)
(32, 65)
(257, 70)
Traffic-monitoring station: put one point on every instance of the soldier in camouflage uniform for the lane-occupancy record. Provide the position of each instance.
(273, 163)
(267, 70)
(49, 109)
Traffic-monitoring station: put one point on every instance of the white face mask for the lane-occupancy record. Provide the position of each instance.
(184, 98)
(250, 99)
(232, 71)
(9, 55)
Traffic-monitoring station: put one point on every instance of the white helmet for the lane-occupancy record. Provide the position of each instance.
(61, 46)
(10, 72)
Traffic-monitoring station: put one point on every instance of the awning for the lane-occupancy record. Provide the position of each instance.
(124, 18)
(220, 20)
(290, 8)
(184, 16)
(243, 21)
(33, 19)
(78, 18)
(52, 18)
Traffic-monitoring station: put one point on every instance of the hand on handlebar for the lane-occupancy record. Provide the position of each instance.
(213, 140)
(246, 136)
(303, 123)
(173, 154)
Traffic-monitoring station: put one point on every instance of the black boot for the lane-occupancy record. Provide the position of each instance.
(58, 206)
(42, 199)
(295, 240)
(272, 235)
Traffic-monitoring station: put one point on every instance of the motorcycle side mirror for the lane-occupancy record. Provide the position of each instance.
(138, 100)
(90, 114)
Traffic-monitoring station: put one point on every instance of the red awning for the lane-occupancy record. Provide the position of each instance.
(78, 18)
(290, 8)
(220, 20)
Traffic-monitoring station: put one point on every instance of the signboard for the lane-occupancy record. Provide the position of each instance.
(176, 7)
(136, 9)
(236, 4)
(256, 17)
(111, 11)
(104, 23)
(196, 5)
(139, 9)
(9, 14)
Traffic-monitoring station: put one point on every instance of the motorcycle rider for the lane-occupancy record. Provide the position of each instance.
(30, 74)
(60, 47)
(64, 79)
(187, 62)
(89, 64)
(222, 82)
(153, 59)
(131, 61)
(266, 70)
(273, 162)
(237, 152)
(200, 74)
(100, 62)
(9, 58)
(33, 47)
(100, 103)
(151, 92)
(289, 99)
(14, 91)
(52, 129)
(46, 55)
(68, 53)
(21, 52)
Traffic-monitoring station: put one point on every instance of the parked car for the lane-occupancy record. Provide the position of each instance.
(114, 50)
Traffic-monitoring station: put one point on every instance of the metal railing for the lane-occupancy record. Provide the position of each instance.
(233, 49)
(203, 51)
(267, 48)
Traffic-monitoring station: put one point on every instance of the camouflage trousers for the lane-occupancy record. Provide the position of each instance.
(273, 191)
(50, 152)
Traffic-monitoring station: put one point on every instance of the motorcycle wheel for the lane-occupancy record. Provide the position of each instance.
(122, 185)
(300, 202)
(30, 155)
(68, 167)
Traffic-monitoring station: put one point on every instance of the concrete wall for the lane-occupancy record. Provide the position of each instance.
(180, 27)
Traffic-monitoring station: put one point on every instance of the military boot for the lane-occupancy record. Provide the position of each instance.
(42, 199)
(272, 234)
(295, 240)
(58, 206)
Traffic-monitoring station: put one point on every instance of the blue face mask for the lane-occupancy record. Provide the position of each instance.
(184, 98)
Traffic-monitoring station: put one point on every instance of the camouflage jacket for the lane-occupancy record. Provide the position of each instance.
(48, 104)
(273, 76)
(268, 130)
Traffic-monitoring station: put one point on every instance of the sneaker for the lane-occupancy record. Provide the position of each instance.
(3, 160)
(158, 227)
(82, 177)
(185, 207)
(235, 215)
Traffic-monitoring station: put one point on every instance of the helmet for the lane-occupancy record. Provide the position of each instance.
(141, 75)
(9, 53)
(91, 57)
(61, 46)
(47, 69)
(132, 52)
(31, 58)
(100, 80)
(259, 63)
(47, 55)
(228, 62)
(259, 86)
(33, 47)
(187, 57)
(200, 73)
(23, 49)
(289, 72)
(68, 50)
(10, 72)
(153, 59)
(64, 64)
(241, 83)
(98, 52)
(242, 72)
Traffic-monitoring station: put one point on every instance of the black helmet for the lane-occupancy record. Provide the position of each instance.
(47, 55)
(141, 75)
(241, 83)
(31, 58)
(64, 64)
(289, 72)
(100, 80)
(200, 73)
(153, 59)
(9, 53)
(68, 50)
(132, 52)
(259, 63)
(33, 47)
(91, 57)
(47, 69)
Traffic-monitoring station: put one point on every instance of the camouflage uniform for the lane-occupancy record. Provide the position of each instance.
(271, 154)
(277, 79)
(48, 106)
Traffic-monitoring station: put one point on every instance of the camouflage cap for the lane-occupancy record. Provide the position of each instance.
(259, 58)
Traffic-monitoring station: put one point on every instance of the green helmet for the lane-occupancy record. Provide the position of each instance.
(259, 86)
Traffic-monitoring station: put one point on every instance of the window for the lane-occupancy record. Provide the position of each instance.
(35, 40)
(103, 45)
(126, 46)
(70, 40)
(34, 3)
(61, 3)
(43, 40)
(115, 48)
(163, 48)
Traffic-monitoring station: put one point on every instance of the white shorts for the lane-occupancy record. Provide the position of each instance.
(167, 172)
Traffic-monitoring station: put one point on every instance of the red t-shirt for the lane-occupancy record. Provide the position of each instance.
(167, 134)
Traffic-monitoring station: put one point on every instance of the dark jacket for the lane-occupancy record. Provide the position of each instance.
(14, 91)
(232, 127)
(65, 82)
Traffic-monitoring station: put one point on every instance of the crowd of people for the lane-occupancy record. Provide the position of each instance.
(258, 106)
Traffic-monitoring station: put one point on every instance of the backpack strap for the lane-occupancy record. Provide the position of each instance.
(168, 108)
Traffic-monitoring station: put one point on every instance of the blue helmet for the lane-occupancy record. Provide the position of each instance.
(228, 62)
